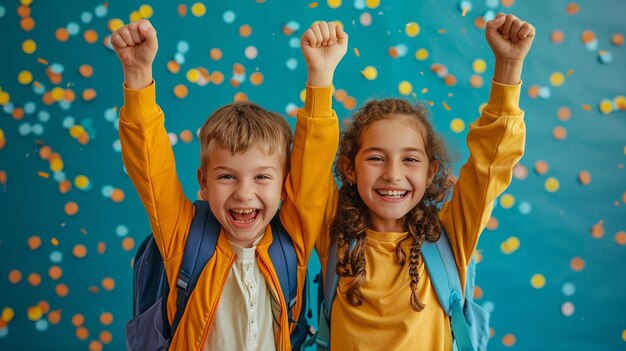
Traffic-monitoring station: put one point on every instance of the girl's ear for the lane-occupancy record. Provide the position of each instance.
(346, 166)
(202, 182)
(433, 167)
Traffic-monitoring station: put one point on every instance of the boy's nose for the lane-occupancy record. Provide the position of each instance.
(245, 191)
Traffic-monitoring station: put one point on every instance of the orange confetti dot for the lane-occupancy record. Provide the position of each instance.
(617, 39)
(128, 243)
(240, 96)
(256, 78)
(78, 320)
(186, 136)
(173, 67)
(541, 167)
(393, 52)
(340, 95)
(215, 54)
(82, 333)
(584, 177)
(446, 106)
(71, 208)
(217, 77)
(117, 195)
(44, 306)
(95, 345)
(349, 103)
(557, 36)
(79, 251)
(106, 318)
(27, 24)
(245, 30)
(55, 272)
(508, 340)
(18, 113)
(34, 242)
(86, 71)
(577, 264)
(182, 10)
(313, 4)
(620, 238)
(108, 283)
(587, 36)
(93, 289)
(450, 80)
(238, 69)
(47, 99)
(479, 22)
(23, 11)
(65, 186)
(478, 292)
(564, 113)
(476, 81)
(90, 36)
(586, 107)
(533, 91)
(106, 337)
(54, 317)
(597, 230)
(101, 248)
(492, 223)
(34, 279)
(180, 91)
(89, 94)
(69, 95)
(15, 276)
(572, 8)
(559, 133)
(61, 290)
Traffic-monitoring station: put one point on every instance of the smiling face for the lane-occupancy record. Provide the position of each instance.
(243, 190)
(391, 170)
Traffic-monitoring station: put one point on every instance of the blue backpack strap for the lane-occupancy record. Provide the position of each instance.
(283, 257)
(199, 248)
(441, 266)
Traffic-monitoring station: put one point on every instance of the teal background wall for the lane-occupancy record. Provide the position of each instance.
(552, 261)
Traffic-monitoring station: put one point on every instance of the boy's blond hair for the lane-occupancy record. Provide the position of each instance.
(241, 125)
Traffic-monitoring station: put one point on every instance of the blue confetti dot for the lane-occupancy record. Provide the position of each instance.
(605, 57)
(592, 45)
(402, 49)
(117, 146)
(229, 17)
(43, 116)
(68, 122)
(56, 256)
(24, 129)
(4, 331)
(492, 4)
(8, 107)
(293, 25)
(107, 40)
(29, 107)
(182, 47)
(57, 68)
(544, 92)
(64, 105)
(116, 124)
(73, 28)
(359, 4)
(525, 207)
(290, 106)
(41, 325)
(121, 230)
(38, 129)
(110, 114)
(100, 11)
(466, 4)
(489, 15)
(86, 17)
(489, 306)
(58, 176)
(39, 88)
(2, 11)
(179, 58)
(568, 289)
(292, 63)
(294, 42)
(107, 190)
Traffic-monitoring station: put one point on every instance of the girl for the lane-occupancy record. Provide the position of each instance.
(395, 175)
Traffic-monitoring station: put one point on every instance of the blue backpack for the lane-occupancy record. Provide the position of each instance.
(469, 321)
(150, 329)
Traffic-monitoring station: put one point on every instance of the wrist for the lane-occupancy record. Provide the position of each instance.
(137, 78)
(508, 71)
(320, 79)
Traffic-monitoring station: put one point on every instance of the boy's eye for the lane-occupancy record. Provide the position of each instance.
(225, 176)
(263, 176)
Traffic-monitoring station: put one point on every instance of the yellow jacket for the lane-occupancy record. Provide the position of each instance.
(385, 320)
(149, 160)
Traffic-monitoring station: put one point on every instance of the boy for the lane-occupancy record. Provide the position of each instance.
(244, 175)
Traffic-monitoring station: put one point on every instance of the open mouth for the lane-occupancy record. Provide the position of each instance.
(392, 194)
(244, 216)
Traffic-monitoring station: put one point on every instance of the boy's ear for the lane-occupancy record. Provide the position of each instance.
(202, 182)
(346, 167)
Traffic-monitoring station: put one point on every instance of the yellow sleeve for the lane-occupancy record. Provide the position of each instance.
(310, 186)
(149, 161)
(496, 144)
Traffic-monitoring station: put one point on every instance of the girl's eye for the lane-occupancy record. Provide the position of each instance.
(375, 158)
(411, 159)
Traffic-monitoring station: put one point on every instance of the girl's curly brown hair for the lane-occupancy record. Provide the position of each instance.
(352, 218)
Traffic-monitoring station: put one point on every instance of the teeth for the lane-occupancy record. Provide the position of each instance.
(392, 193)
(244, 211)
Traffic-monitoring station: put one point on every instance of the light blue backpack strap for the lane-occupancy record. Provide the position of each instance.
(444, 275)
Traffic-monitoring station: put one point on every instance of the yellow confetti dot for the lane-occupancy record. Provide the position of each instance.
(412, 29)
(421, 54)
(134, 16)
(29, 46)
(56, 165)
(405, 88)
(457, 125)
(538, 281)
(606, 106)
(198, 9)
(193, 75)
(552, 184)
(26, 2)
(507, 201)
(302, 95)
(370, 72)
(25, 77)
(333, 4)
(510, 245)
(76, 131)
(479, 66)
(624, 334)
(372, 4)
(35, 313)
(4, 98)
(557, 79)
(145, 11)
(7, 314)
(81, 181)
(116, 23)
(57, 94)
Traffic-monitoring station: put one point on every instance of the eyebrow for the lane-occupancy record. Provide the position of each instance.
(228, 169)
(406, 149)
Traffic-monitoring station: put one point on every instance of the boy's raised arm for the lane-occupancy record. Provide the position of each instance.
(136, 46)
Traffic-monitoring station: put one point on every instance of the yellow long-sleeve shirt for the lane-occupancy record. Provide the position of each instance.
(149, 160)
(385, 320)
